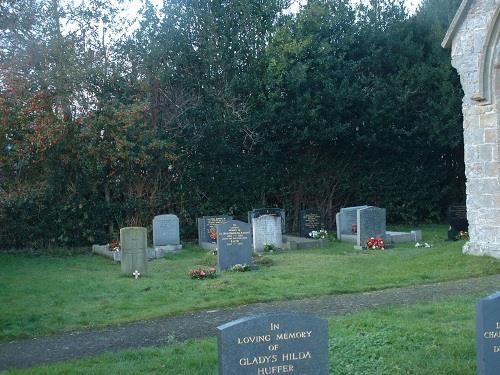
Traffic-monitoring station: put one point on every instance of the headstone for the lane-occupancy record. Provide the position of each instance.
(234, 244)
(488, 335)
(207, 227)
(133, 243)
(338, 225)
(266, 230)
(166, 233)
(274, 343)
(309, 220)
(457, 218)
(371, 223)
(256, 212)
(348, 217)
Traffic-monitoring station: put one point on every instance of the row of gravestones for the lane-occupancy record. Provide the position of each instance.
(309, 220)
(236, 240)
(134, 241)
(232, 238)
(285, 342)
(359, 223)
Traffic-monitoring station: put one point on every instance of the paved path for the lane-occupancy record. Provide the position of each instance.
(71, 345)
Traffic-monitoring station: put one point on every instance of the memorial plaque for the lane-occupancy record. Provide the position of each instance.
(488, 335)
(207, 227)
(266, 230)
(166, 230)
(133, 243)
(371, 223)
(269, 211)
(309, 220)
(234, 244)
(274, 343)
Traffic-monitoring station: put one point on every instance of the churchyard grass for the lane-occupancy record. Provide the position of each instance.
(45, 295)
(433, 338)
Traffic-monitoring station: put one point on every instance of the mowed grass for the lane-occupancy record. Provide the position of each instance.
(435, 338)
(45, 295)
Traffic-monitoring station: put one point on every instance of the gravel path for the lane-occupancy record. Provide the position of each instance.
(79, 344)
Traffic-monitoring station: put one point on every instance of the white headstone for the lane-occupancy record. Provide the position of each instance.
(266, 230)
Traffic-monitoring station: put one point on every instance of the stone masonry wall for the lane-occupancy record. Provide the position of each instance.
(482, 162)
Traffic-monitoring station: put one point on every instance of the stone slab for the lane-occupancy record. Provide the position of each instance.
(291, 242)
(274, 343)
(371, 222)
(166, 230)
(309, 220)
(234, 244)
(208, 224)
(348, 217)
(133, 245)
(256, 212)
(266, 229)
(488, 335)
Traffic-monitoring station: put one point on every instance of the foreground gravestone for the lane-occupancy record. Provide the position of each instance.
(371, 222)
(166, 235)
(274, 343)
(256, 212)
(266, 230)
(457, 218)
(488, 335)
(207, 230)
(234, 244)
(309, 220)
(133, 243)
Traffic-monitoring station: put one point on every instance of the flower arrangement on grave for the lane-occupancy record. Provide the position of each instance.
(425, 244)
(269, 248)
(318, 234)
(375, 243)
(200, 274)
(463, 235)
(213, 234)
(240, 268)
(114, 245)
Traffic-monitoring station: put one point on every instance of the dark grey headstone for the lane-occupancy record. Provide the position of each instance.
(309, 220)
(457, 217)
(166, 230)
(274, 343)
(234, 244)
(488, 335)
(371, 223)
(207, 224)
(256, 212)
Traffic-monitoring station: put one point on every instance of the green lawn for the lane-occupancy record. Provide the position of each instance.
(423, 339)
(44, 295)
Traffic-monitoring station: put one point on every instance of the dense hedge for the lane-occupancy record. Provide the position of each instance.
(220, 107)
